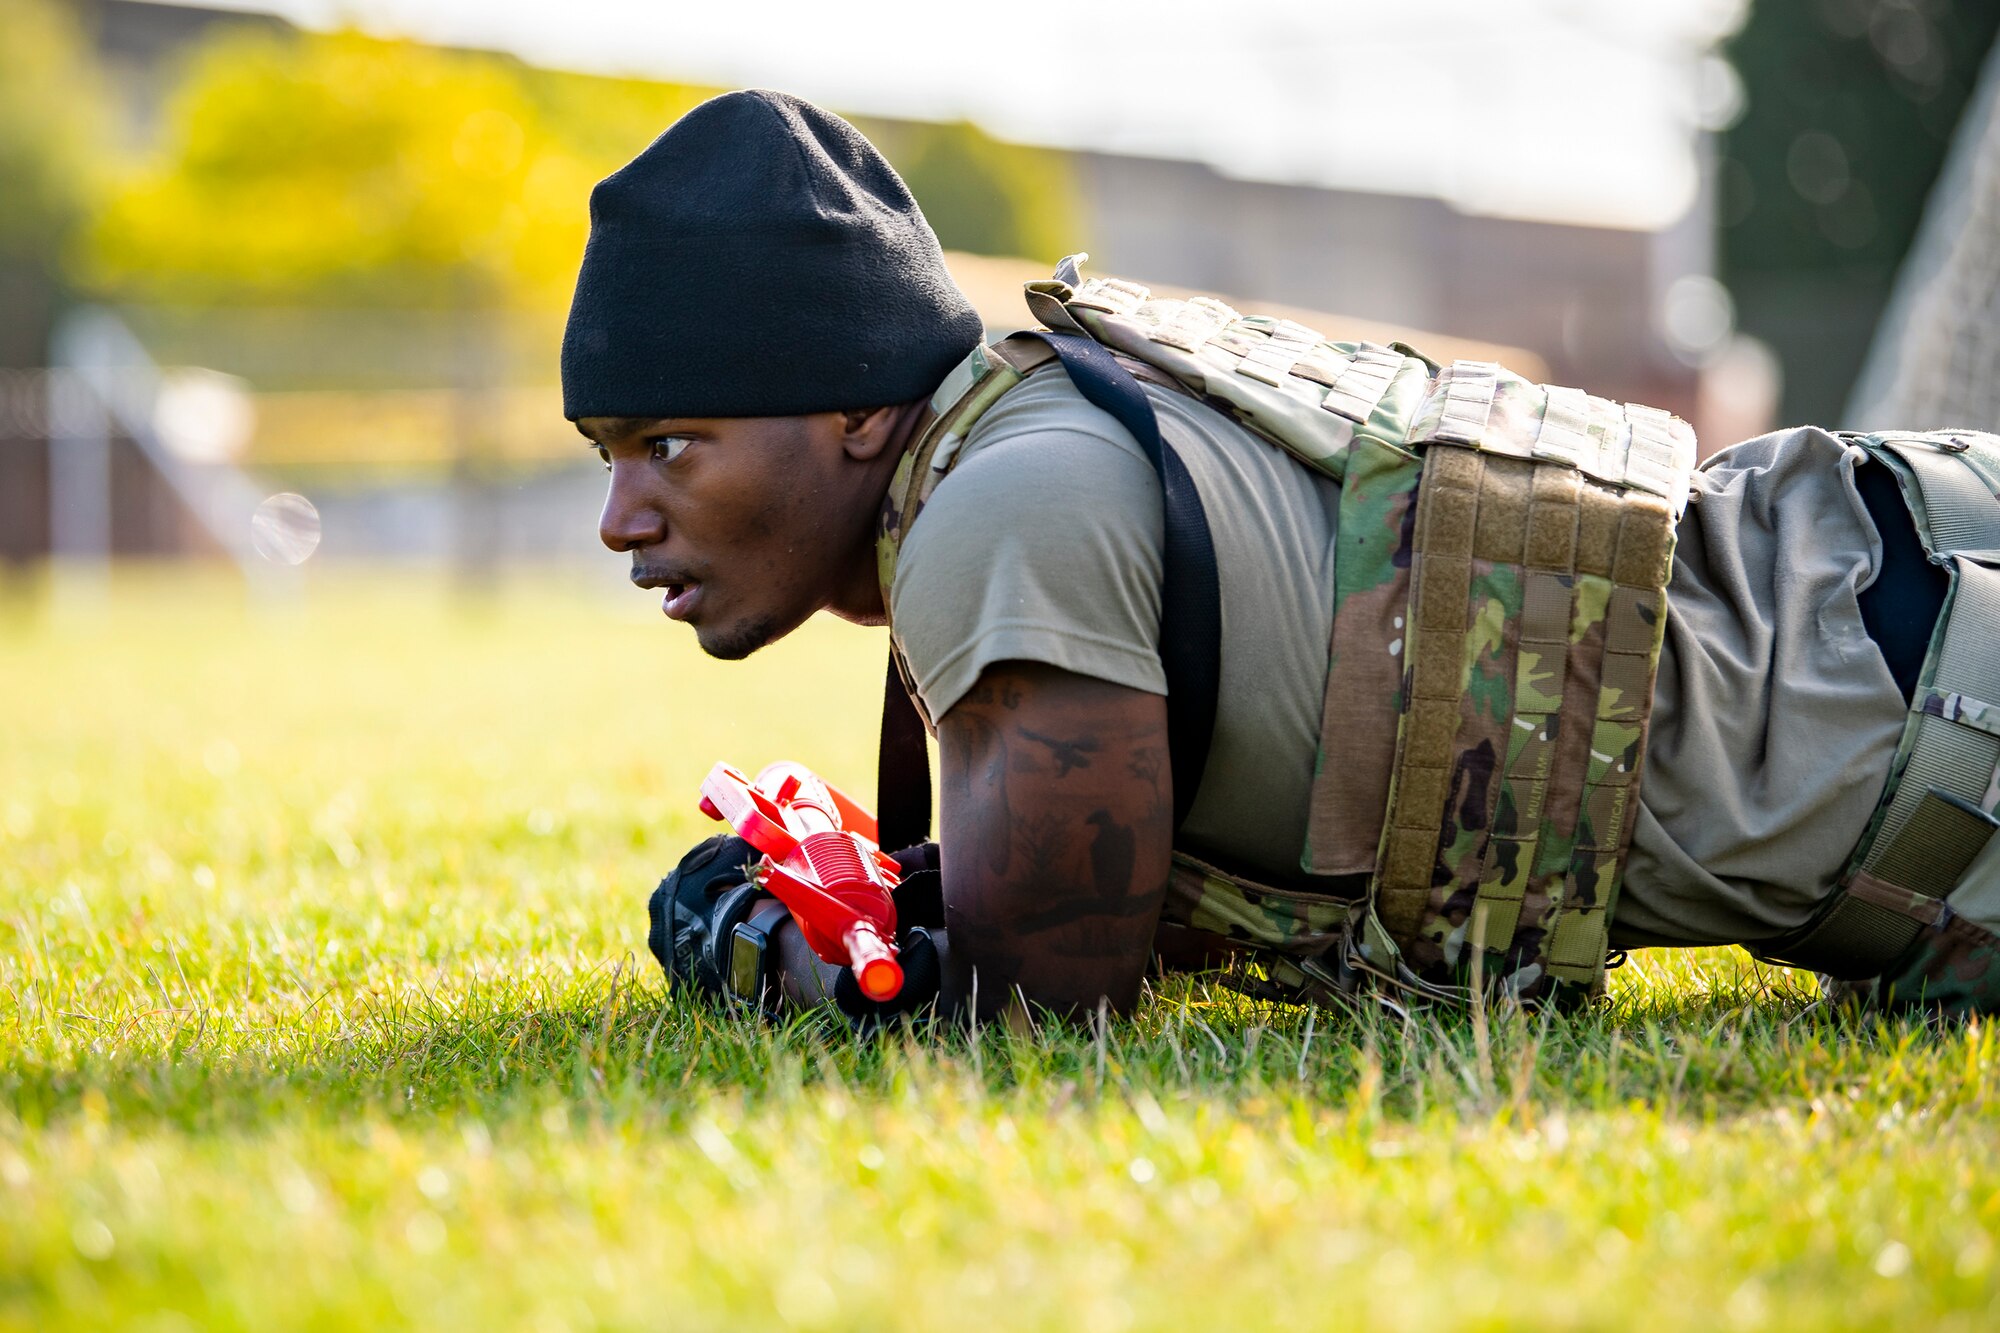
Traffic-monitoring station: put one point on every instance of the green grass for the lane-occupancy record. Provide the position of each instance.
(324, 1003)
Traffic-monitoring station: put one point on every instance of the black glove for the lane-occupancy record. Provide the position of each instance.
(919, 909)
(696, 908)
(694, 913)
(921, 979)
(920, 894)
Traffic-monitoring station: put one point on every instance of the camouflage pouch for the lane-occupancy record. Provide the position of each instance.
(1288, 922)
(1953, 968)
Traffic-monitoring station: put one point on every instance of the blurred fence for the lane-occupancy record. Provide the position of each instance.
(104, 393)
(1935, 360)
(415, 435)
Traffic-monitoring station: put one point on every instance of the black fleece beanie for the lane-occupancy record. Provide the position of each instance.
(760, 258)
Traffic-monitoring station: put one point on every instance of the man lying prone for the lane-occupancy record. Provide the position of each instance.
(1238, 640)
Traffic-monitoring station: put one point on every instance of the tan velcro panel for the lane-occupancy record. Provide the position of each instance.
(1537, 599)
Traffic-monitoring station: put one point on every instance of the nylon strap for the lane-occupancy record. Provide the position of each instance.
(1960, 515)
(1952, 748)
(1190, 597)
(1884, 908)
(902, 767)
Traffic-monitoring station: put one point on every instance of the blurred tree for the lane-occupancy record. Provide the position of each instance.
(604, 121)
(339, 168)
(1850, 108)
(982, 195)
(51, 148)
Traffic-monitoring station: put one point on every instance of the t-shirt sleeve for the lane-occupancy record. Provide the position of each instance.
(1042, 545)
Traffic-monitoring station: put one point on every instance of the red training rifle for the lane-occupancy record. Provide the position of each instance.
(821, 861)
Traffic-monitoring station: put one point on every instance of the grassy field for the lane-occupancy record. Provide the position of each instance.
(324, 1003)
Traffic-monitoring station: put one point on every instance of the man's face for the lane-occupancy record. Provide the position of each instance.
(747, 525)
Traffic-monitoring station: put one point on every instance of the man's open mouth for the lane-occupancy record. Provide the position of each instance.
(679, 599)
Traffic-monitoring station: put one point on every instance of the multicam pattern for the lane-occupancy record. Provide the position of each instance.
(1365, 691)
(1503, 554)
(1964, 710)
(1536, 629)
(1953, 968)
(1202, 897)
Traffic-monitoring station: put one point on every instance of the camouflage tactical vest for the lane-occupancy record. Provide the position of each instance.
(1500, 570)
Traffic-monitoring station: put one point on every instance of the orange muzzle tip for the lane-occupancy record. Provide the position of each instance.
(881, 979)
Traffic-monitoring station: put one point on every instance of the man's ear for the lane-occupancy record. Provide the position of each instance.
(866, 431)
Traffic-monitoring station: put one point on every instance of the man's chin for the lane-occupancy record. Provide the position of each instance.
(733, 643)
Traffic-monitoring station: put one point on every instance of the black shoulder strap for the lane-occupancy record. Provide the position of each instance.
(902, 768)
(1190, 610)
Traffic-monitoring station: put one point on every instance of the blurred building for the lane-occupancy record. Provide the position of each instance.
(406, 440)
(1850, 111)
(1587, 301)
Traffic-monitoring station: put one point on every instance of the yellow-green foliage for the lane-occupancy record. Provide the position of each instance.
(983, 195)
(324, 1004)
(50, 126)
(340, 168)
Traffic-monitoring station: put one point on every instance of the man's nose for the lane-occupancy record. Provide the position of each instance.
(631, 520)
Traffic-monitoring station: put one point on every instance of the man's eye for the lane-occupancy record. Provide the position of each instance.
(666, 448)
(605, 455)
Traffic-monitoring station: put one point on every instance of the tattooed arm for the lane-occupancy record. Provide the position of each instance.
(1057, 814)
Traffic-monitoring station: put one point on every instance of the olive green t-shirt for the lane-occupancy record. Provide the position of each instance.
(1775, 717)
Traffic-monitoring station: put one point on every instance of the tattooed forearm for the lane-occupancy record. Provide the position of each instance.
(1067, 754)
(992, 951)
(1057, 815)
(1042, 839)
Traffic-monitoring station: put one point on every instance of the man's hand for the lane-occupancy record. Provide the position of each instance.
(1057, 812)
(693, 911)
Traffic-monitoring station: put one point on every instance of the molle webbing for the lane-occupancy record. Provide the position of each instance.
(1534, 634)
(1935, 814)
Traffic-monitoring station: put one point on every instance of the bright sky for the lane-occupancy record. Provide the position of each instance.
(1580, 110)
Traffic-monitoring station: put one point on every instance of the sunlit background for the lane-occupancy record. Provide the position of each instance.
(283, 282)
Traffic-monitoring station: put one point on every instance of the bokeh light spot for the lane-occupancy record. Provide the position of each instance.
(285, 529)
